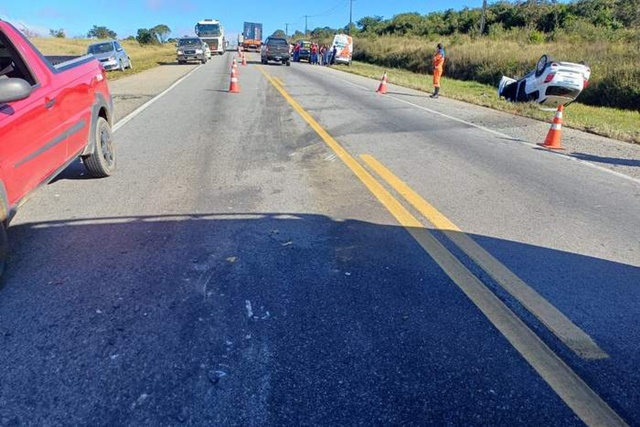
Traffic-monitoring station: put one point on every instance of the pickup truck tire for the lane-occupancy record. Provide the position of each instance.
(102, 161)
(204, 60)
(4, 247)
(288, 63)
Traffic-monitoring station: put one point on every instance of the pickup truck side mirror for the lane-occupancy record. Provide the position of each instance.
(13, 89)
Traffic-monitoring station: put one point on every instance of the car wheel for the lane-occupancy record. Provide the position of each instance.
(542, 64)
(288, 63)
(102, 161)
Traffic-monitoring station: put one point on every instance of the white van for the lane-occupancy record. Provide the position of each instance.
(344, 48)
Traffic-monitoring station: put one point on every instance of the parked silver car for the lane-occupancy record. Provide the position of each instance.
(111, 55)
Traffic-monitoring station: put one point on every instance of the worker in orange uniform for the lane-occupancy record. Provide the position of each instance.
(437, 62)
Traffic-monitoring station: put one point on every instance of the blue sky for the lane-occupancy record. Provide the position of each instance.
(124, 17)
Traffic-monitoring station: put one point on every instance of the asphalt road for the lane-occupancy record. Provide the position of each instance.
(307, 252)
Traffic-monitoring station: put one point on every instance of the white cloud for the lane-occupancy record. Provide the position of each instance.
(26, 27)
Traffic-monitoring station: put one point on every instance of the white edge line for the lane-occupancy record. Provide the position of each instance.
(530, 144)
(147, 104)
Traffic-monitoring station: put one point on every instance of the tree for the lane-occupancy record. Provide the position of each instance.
(101, 33)
(161, 32)
(370, 24)
(58, 33)
(146, 37)
(279, 33)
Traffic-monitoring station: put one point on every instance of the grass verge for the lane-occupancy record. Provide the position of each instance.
(142, 57)
(623, 125)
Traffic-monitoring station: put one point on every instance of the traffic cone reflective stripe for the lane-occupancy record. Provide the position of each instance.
(383, 84)
(234, 87)
(553, 141)
(244, 59)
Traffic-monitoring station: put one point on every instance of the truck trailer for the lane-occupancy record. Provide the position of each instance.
(251, 36)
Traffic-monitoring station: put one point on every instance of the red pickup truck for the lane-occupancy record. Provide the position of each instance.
(49, 115)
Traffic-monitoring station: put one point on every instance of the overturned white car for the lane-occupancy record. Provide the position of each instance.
(552, 83)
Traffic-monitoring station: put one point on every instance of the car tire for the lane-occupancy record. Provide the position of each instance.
(288, 63)
(542, 64)
(101, 163)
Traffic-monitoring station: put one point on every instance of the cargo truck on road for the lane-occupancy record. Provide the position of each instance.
(211, 32)
(251, 38)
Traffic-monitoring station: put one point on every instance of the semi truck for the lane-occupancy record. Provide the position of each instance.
(211, 32)
(251, 38)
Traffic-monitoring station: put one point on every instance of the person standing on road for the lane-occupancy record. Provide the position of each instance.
(437, 62)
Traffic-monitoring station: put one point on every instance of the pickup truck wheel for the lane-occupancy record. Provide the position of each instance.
(102, 161)
(288, 63)
(4, 247)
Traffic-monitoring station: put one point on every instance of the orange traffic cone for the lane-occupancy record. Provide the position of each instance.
(234, 87)
(383, 84)
(234, 66)
(244, 59)
(553, 141)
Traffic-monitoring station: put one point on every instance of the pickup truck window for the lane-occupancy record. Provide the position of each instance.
(11, 63)
(282, 42)
(186, 42)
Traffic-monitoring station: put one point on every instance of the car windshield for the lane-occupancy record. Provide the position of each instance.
(187, 42)
(101, 48)
(282, 42)
(208, 30)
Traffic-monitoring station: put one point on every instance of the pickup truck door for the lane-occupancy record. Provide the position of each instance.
(32, 141)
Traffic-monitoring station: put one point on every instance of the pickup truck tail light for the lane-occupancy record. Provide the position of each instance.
(585, 83)
(549, 77)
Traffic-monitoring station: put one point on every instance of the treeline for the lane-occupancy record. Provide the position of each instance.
(545, 16)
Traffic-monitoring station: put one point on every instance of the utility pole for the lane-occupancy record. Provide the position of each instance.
(305, 24)
(350, 15)
(483, 19)
(286, 29)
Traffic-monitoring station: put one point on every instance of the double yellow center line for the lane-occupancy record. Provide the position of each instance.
(586, 404)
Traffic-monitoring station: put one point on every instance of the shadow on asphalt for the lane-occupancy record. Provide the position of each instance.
(606, 160)
(161, 319)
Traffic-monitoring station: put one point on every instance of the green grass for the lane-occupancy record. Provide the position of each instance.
(613, 59)
(623, 125)
(142, 57)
